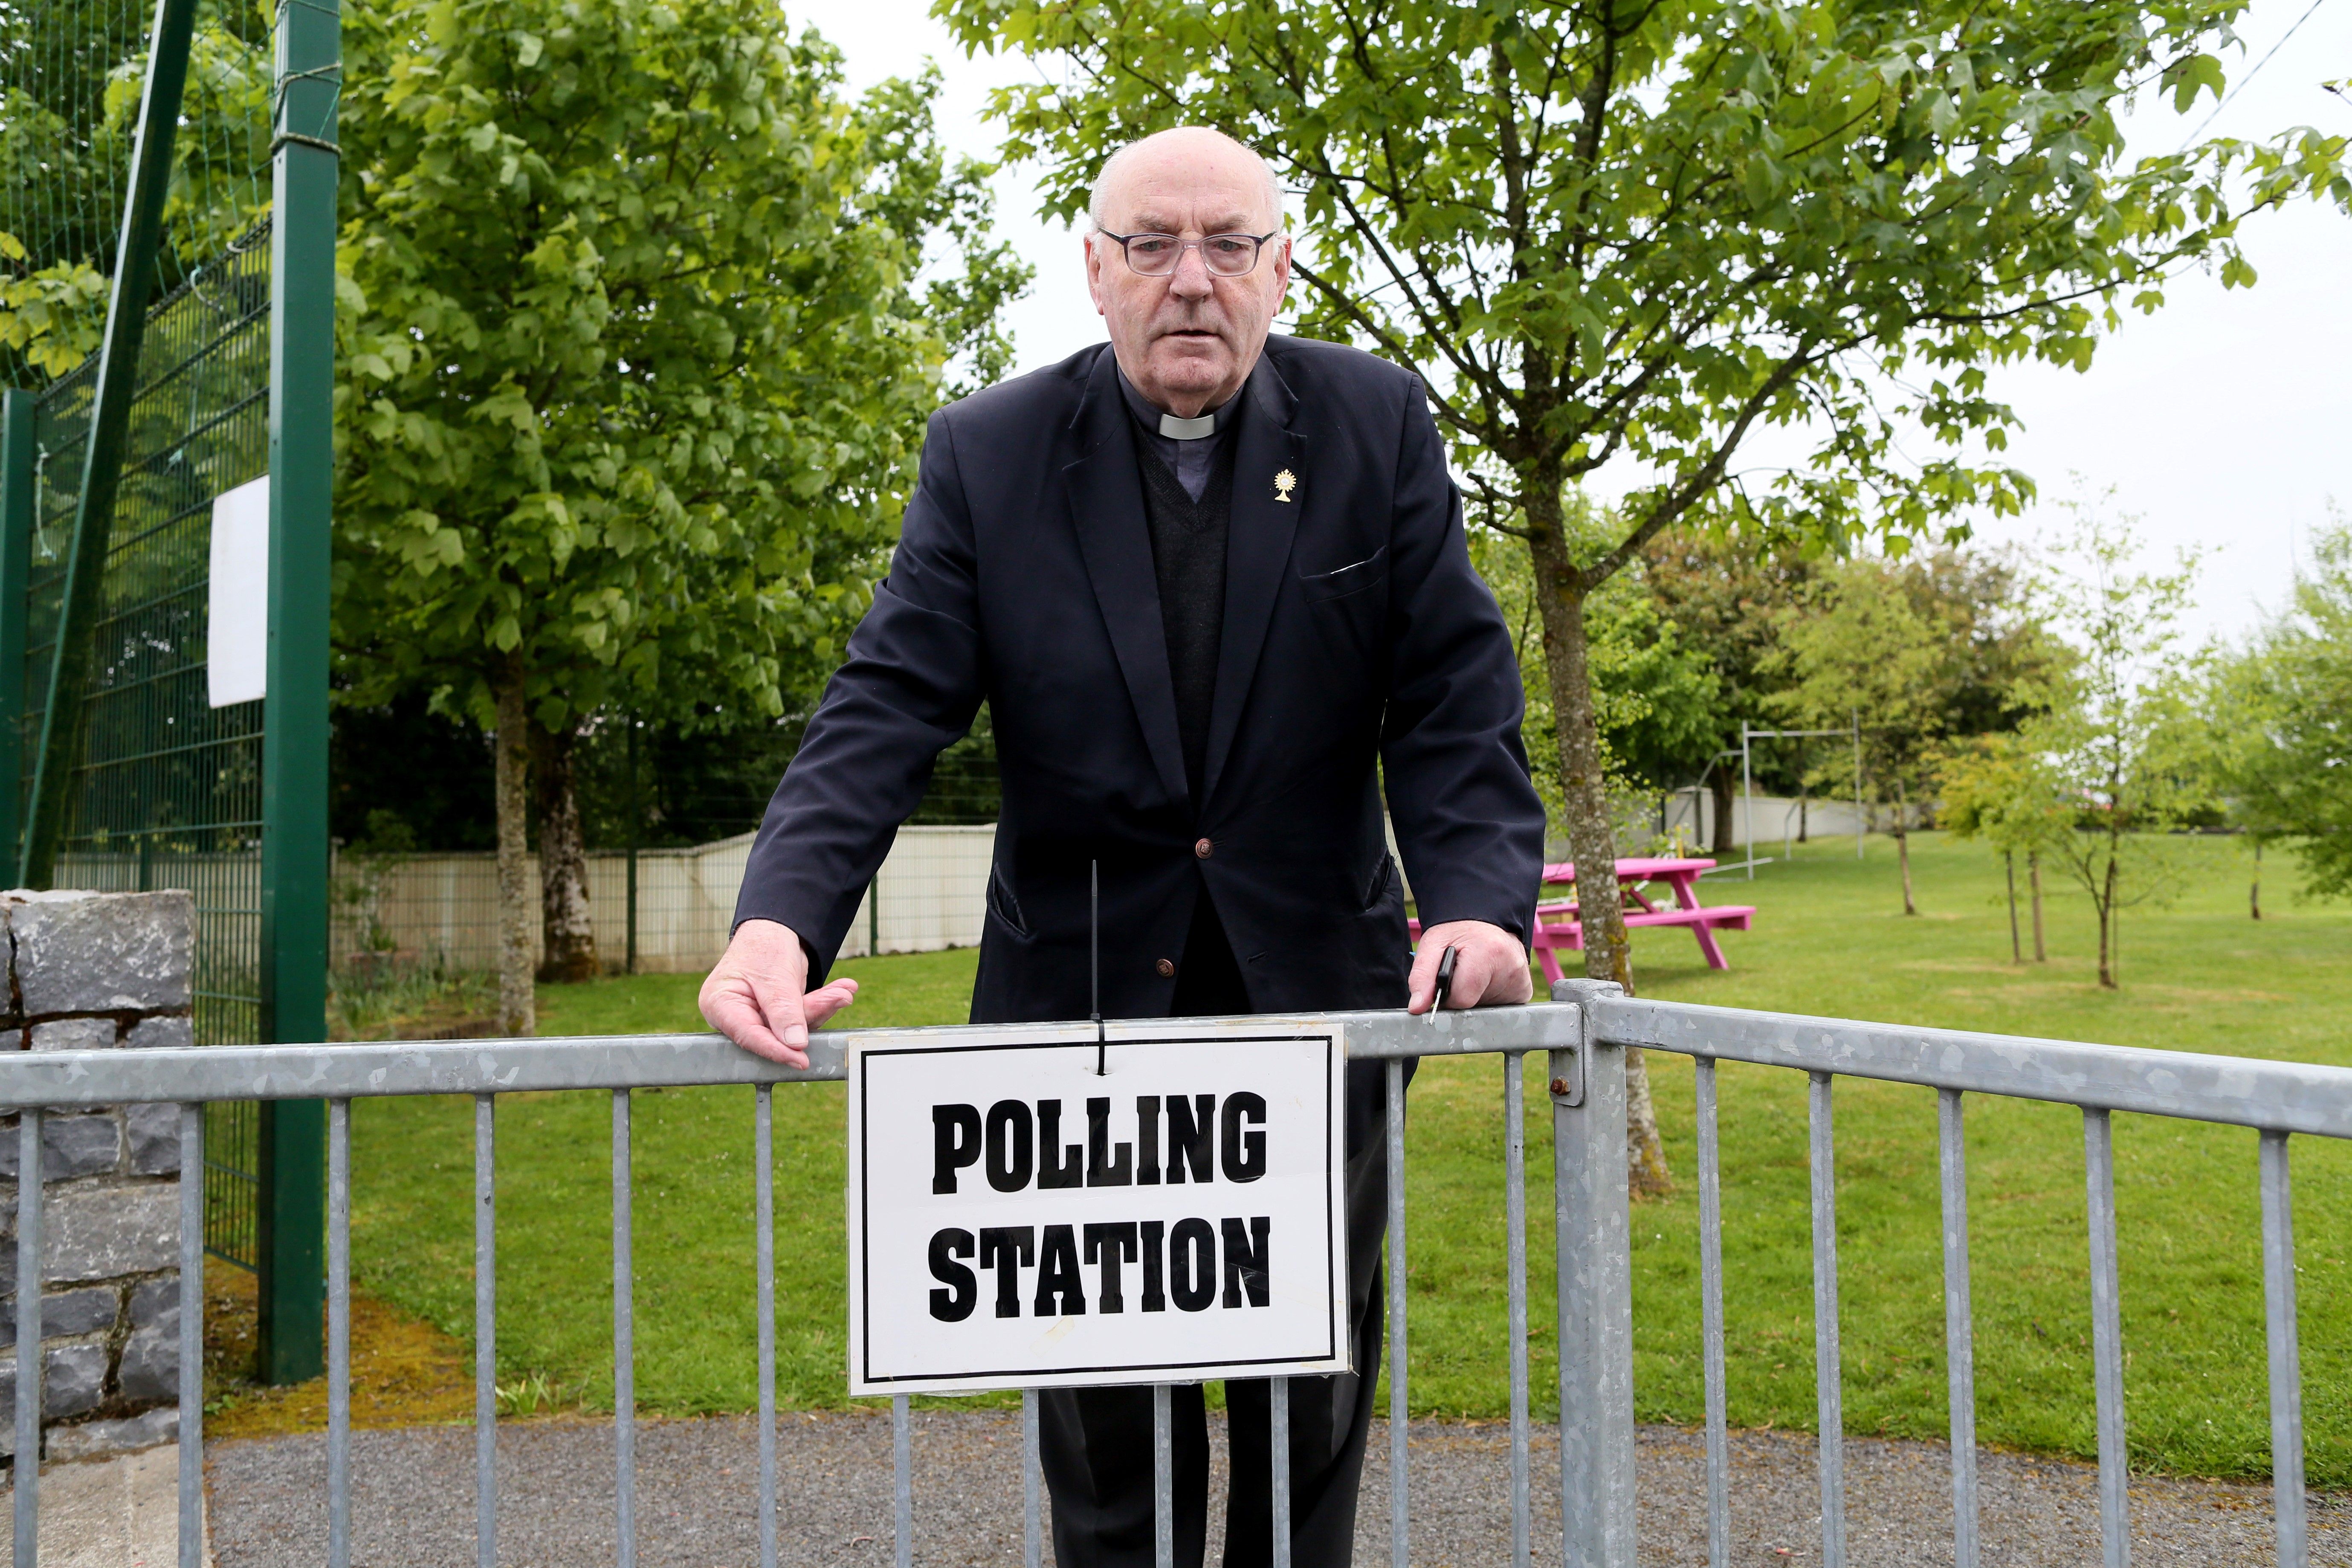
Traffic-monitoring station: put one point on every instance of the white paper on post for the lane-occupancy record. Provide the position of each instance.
(1005, 1283)
(236, 660)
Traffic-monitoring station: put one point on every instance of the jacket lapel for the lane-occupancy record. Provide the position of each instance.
(1258, 549)
(1107, 508)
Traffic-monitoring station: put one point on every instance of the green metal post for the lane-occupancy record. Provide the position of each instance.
(110, 426)
(294, 852)
(17, 500)
(636, 831)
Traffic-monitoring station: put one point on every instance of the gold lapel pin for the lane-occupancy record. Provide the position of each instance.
(1284, 483)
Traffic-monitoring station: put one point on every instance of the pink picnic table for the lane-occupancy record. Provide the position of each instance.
(1557, 926)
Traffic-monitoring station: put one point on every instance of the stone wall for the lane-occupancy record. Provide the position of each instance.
(94, 972)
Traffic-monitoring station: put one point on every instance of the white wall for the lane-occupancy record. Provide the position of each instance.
(444, 908)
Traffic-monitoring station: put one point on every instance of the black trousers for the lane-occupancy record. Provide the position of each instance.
(1096, 1443)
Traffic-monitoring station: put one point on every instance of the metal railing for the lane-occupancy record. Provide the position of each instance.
(1583, 1037)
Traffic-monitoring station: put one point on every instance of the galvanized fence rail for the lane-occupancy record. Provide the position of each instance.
(1581, 1039)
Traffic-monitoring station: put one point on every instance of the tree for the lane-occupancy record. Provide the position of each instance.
(1604, 230)
(1866, 656)
(638, 356)
(2281, 712)
(1998, 788)
(2118, 732)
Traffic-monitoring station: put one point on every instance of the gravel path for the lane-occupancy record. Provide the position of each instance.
(414, 1499)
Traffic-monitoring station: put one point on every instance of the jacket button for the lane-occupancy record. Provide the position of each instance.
(1203, 850)
(1167, 966)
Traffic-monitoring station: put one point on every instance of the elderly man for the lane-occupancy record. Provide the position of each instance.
(1213, 585)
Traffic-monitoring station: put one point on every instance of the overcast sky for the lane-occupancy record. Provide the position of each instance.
(2224, 422)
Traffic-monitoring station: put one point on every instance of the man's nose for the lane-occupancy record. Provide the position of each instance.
(1191, 279)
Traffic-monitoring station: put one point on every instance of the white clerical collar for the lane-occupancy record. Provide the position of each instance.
(1168, 425)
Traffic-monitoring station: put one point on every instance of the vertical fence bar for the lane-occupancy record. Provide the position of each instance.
(2287, 1370)
(1710, 1287)
(486, 1333)
(339, 1333)
(1959, 1330)
(625, 1340)
(902, 1483)
(1515, 1225)
(1163, 1479)
(1278, 1410)
(28, 1336)
(1596, 1294)
(2108, 1341)
(763, 1204)
(1400, 1480)
(192, 1337)
(1033, 1485)
(1828, 1385)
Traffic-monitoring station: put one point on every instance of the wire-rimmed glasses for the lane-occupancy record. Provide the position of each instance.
(1158, 254)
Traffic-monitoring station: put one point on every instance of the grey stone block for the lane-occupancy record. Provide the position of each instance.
(8, 1254)
(151, 1364)
(67, 1313)
(172, 1030)
(99, 952)
(155, 1139)
(74, 1035)
(99, 1439)
(79, 1145)
(100, 1232)
(73, 1381)
(157, 1301)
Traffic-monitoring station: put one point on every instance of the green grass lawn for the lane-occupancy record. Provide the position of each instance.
(1829, 939)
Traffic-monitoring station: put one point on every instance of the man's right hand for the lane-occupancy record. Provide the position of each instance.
(758, 995)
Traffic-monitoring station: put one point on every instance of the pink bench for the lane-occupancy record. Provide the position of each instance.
(1557, 926)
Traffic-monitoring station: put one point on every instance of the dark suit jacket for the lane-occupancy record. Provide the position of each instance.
(1355, 630)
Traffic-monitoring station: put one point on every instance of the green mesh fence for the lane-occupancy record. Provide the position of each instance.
(166, 792)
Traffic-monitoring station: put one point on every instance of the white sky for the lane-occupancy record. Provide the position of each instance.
(2224, 422)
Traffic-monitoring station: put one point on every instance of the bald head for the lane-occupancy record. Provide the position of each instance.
(1188, 339)
(1187, 155)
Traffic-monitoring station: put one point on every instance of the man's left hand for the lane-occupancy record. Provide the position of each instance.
(1490, 967)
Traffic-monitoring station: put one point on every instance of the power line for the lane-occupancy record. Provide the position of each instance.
(2250, 76)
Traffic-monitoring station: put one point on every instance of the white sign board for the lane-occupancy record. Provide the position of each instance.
(236, 648)
(1018, 1220)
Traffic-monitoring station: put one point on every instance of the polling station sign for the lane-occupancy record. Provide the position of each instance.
(1018, 1219)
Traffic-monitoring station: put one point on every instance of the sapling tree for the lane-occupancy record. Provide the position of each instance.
(1611, 232)
(2113, 738)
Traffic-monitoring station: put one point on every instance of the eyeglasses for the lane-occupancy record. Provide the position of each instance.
(1157, 255)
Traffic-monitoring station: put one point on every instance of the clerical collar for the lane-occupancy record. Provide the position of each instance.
(1168, 425)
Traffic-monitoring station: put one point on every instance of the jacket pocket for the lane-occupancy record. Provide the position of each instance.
(1383, 879)
(1002, 905)
(1352, 578)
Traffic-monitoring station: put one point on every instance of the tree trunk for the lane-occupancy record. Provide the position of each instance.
(1592, 836)
(567, 936)
(1718, 784)
(2254, 892)
(2107, 925)
(2009, 870)
(1804, 806)
(2033, 882)
(1903, 844)
(518, 1009)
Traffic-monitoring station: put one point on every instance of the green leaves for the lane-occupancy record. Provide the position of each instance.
(635, 360)
(1613, 232)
